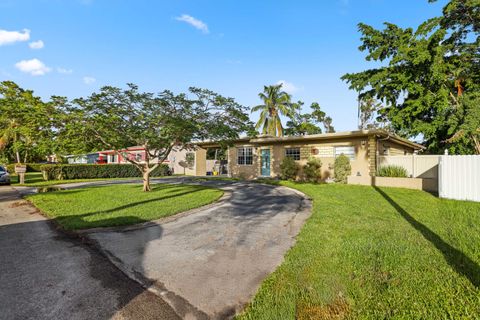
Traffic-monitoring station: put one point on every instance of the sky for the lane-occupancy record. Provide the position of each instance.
(73, 47)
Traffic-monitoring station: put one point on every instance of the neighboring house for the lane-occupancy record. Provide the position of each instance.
(108, 156)
(89, 158)
(261, 157)
(175, 159)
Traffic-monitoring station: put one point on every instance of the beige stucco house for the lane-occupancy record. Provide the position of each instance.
(252, 158)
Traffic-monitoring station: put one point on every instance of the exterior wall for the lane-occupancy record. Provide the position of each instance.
(200, 162)
(372, 156)
(417, 166)
(243, 171)
(177, 162)
(408, 183)
(325, 152)
(176, 158)
(366, 149)
(393, 148)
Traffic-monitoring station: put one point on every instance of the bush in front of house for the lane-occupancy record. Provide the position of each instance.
(392, 171)
(342, 168)
(311, 170)
(92, 171)
(288, 169)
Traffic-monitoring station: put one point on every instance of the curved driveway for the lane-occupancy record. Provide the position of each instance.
(209, 264)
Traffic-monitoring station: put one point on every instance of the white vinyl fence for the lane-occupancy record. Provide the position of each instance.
(417, 166)
(459, 177)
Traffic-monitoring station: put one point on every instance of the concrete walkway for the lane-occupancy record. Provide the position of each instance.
(47, 275)
(210, 263)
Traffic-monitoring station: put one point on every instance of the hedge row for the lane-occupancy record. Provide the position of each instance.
(31, 167)
(92, 171)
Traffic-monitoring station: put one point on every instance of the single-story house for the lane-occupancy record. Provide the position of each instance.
(252, 158)
(109, 156)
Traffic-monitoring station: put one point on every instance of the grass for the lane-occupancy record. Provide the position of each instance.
(377, 253)
(35, 179)
(118, 205)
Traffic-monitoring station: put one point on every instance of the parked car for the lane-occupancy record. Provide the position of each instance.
(4, 176)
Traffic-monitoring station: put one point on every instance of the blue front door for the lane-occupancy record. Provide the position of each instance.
(266, 162)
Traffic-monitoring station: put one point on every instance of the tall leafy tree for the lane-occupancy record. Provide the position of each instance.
(306, 123)
(328, 125)
(369, 118)
(275, 103)
(26, 124)
(430, 78)
(117, 118)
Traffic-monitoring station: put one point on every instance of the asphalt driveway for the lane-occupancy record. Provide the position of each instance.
(210, 263)
(46, 275)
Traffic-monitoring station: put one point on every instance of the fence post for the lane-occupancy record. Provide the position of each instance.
(414, 174)
(440, 175)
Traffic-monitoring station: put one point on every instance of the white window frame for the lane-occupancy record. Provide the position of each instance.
(351, 155)
(293, 156)
(244, 155)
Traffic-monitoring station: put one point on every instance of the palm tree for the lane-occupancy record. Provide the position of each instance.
(275, 103)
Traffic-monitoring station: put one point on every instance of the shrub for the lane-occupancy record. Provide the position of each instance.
(312, 171)
(392, 171)
(342, 168)
(288, 169)
(91, 171)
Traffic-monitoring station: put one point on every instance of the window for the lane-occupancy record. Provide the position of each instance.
(138, 157)
(112, 158)
(348, 151)
(245, 156)
(386, 150)
(293, 153)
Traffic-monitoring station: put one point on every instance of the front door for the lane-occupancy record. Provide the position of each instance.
(266, 162)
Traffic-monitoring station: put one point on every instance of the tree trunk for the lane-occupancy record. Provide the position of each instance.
(17, 153)
(146, 180)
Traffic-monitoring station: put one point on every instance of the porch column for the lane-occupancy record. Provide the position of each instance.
(200, 161)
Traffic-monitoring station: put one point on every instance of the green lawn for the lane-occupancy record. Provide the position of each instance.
(117, 205)
(377, 253)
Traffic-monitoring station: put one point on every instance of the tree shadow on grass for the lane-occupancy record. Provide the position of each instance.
(459, 261)
(78, 220)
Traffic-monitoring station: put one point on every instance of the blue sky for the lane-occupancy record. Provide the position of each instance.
(71, 48)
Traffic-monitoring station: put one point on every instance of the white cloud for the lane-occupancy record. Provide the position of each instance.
(34, 67)
(198, 24)
(36, 44)
(9, 37)
(289, 87)
(89, 80)
(64, 71)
